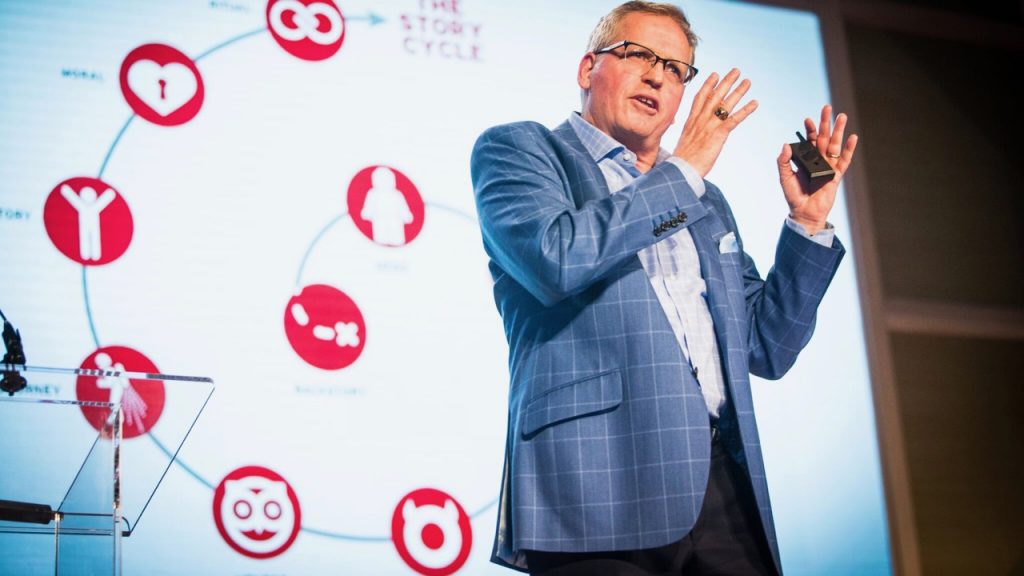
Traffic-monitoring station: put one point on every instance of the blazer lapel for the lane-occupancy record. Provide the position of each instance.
(580, 168)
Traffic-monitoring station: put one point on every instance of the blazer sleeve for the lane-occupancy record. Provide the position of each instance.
(532, 228)
(782, 307)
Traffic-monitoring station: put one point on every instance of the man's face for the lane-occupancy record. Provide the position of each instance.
(632, 108)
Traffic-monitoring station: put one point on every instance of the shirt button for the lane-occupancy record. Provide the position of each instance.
(627, 156)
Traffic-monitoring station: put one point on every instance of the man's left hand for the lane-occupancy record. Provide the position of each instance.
(810, 208)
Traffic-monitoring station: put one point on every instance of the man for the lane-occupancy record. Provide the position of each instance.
(634, 316)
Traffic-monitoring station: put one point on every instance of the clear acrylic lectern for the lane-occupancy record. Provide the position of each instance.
(76, 474)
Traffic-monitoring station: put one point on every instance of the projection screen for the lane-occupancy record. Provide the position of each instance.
(219, 188)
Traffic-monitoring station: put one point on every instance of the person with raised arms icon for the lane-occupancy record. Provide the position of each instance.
(88, 206)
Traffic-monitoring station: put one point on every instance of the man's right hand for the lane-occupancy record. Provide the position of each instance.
(704, 133)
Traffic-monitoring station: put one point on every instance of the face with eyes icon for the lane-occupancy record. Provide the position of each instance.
(257, 512)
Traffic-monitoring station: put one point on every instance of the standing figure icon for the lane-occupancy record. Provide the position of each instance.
(385, 206)
(386, 209)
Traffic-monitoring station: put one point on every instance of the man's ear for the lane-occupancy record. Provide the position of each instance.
(586, 67)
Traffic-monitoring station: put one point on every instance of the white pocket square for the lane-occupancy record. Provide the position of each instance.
(728, 244)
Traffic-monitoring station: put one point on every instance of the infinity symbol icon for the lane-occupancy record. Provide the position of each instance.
(305, 21)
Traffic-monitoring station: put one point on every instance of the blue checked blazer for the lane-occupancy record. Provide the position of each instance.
(608, 435)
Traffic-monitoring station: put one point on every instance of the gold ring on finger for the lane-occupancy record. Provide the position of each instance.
(721, 113)
(832, 156)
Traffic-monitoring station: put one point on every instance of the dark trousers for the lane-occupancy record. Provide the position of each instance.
(726, 540)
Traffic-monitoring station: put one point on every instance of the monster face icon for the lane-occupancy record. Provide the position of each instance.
(431, 532)
(257, 512)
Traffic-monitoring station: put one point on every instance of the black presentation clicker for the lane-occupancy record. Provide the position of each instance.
(811, 164)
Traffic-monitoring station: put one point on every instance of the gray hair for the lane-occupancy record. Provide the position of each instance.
(606, 29)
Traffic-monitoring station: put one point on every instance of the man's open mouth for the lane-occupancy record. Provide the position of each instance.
(650, 103)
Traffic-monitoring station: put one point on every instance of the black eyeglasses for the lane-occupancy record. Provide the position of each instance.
(643, 59)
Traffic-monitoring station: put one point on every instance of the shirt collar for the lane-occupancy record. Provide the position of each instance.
(600, 145)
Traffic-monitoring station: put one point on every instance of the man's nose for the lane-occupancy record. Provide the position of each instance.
(656, 75)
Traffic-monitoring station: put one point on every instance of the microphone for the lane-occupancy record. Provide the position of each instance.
(12, 380)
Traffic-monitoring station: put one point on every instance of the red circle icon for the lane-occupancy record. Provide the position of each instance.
(88, 221)
(162, 84)
(385, 206)
(142, 401)
(306, 29)
(431, 532)
(325, 327)
(256, 512)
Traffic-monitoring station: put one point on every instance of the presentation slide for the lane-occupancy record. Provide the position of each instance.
(276, 195)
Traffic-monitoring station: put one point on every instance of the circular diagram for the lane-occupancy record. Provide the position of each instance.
(378, 300)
